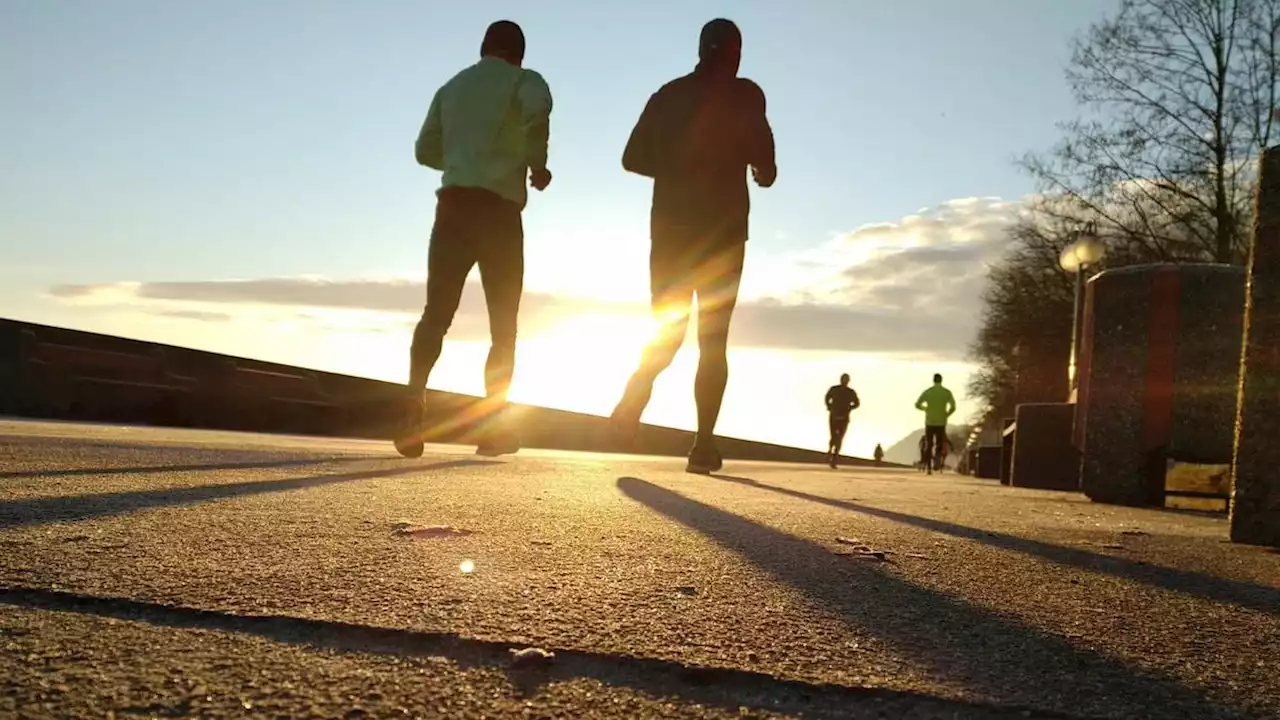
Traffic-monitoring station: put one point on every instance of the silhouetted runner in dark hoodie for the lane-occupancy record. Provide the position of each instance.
(841, 401)
(487, 129)
(696, 138)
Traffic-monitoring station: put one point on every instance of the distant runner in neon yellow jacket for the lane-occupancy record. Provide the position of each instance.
(938, 404)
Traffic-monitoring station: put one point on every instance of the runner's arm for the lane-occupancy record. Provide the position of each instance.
(920, 404)
(761, 151)
(856, 403)
(535, 107)
(830, 398)
(640, 156)
(951, 403)
(429, 150)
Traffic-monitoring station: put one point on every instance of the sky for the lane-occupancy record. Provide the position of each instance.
(239, 177)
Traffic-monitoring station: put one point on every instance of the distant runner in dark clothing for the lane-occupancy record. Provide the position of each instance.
(841, 401)
(879, 455)
(696, 138)
(487, 130)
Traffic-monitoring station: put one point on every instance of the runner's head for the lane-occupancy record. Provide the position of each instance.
(504, 40)
(937, 378)
(720, 46)
(844, 379)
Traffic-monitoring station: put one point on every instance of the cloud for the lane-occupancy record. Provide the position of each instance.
(910, 286)
(924, 272)
(849, 329)
(200, 315)
(384, 295)
(363, 303)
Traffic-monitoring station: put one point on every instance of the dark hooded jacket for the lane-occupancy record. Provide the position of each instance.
(696, 138)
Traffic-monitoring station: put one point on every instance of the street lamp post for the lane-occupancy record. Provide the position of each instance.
(1084, 251)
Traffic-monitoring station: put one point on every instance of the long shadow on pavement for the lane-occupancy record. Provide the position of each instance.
(994, 657)
(721, 687)
(39, 511)
(1235, 592)
(193, 467)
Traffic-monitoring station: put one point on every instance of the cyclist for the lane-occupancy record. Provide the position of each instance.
(938, 404)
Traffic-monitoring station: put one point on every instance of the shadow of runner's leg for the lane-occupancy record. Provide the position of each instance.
(190, 467)
(40, 511)
(1259, 598)
(993, 657)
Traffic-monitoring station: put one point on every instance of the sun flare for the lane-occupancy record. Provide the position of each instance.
(582, 363)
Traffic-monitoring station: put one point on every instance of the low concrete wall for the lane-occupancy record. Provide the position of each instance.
(1043, 455)
(1006, 450)
(988, 465)
(57, 373)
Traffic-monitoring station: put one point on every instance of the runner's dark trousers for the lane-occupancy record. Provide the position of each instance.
(472, 227)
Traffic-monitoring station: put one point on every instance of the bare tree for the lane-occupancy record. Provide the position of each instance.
(1178, 101)
(1024, 340)
(1023, 344)
(1179, 98)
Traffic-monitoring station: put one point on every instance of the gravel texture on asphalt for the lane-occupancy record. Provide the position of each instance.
(162, 573)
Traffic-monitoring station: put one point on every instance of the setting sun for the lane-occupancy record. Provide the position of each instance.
(582, 362)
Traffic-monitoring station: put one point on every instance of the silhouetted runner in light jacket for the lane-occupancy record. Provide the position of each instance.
(487, 130)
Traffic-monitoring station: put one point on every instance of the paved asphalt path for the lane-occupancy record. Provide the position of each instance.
(167, 573)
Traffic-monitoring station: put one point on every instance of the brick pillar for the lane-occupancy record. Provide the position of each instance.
(1255, 477)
